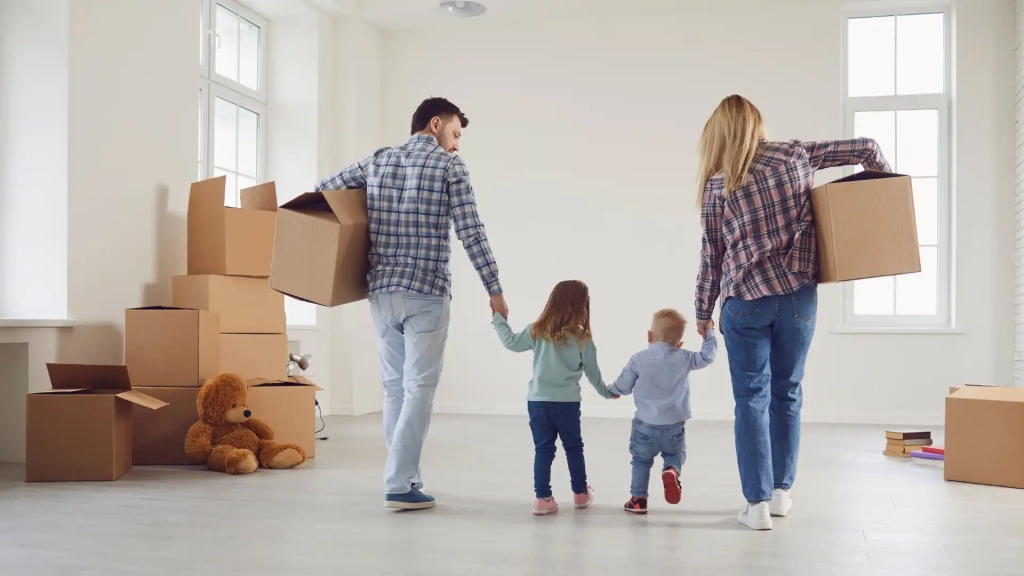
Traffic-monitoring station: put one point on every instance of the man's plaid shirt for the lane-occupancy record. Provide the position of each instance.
(414, 193)
(759, 239)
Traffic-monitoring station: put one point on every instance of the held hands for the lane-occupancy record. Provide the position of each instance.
(498, 305)
(702, 328)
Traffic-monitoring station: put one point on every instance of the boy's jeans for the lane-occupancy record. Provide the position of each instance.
(412, 331)
(647, 441)
(550, 420)
(767, 340)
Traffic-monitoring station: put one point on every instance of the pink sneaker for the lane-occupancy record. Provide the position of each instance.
(544, 506)
(584, 500)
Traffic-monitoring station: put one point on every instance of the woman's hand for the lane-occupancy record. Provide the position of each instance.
(702, 328)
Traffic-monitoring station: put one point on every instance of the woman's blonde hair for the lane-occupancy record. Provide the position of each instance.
(729, 144)
(566, 313)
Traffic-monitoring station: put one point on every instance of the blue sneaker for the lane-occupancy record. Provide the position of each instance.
(411, 500)
(417, 485)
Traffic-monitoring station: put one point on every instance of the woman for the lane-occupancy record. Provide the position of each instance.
(759, 253)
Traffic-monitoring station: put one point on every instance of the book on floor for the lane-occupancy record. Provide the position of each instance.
(908, 434)
(934, 450)
(927, 455)
(896, 454)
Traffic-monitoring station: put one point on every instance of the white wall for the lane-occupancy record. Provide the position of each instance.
(582, 149)
(33, 158)
(132, 147)
(1018, 298)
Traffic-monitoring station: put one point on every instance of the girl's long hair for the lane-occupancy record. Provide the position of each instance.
(729, 144)
(567, 313)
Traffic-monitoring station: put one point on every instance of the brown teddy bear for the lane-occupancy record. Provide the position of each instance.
(228, 439)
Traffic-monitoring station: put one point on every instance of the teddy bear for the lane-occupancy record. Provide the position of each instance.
(228, 439)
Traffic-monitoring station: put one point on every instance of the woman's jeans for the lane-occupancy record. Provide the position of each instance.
(767, 341)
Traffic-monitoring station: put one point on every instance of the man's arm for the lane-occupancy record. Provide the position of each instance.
(350, 178)
(627, 380)
(469, 228)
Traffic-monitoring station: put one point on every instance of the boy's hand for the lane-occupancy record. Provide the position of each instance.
(615, 397)
(703, 328)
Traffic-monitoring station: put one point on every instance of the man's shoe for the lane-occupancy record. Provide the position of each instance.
(411, 500)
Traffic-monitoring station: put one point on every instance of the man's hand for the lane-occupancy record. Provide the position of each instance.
(498, 305)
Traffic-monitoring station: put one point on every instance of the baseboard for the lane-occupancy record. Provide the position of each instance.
(354, 409)
(626, 411)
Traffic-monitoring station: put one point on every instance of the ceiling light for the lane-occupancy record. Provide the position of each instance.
(462, 8)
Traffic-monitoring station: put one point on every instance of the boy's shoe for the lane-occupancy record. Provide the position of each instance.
(756, 517)
(673, 490)
(584, 500)
(411, 500)
(781, 503)
(636, 506)
(545, 506)
(417, 485)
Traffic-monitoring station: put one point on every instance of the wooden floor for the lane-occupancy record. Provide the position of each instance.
(856, 512)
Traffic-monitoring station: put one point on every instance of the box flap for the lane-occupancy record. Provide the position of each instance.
(349, 206)
(260, 197)
(160, 308)
(289, 381)
(868, 175)
(990, 393)
(89, 377)
(141, 399)
(307, 201)
(62, 391)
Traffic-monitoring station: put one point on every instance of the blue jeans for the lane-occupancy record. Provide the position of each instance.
(412, 331)
(647, 441)
(550, 420)
(767, 341)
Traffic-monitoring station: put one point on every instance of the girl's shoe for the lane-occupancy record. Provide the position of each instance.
(545, 506)
(673, 490)
(636, 506)
(585, 499)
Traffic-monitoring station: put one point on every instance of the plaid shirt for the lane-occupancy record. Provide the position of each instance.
(414, 192)
(759, 239)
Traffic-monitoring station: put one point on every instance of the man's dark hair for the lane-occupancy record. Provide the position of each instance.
(432, 107)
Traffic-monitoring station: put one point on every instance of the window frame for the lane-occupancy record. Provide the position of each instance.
(213, 86)
(943, 103)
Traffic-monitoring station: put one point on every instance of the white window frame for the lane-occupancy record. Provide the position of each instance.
(944, 316)
(215, 86)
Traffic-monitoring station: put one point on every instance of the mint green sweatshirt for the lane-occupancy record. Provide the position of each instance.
(557, 369)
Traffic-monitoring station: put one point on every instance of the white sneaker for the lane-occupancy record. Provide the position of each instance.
(756, 517)
(780, 504)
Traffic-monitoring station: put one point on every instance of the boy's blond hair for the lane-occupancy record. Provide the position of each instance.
(668, 325)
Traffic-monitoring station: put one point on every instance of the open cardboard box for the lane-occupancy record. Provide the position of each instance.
(231, 241)
(321, 251)
(288, 405)
(866, 227)
(82, 428)
(158, 437)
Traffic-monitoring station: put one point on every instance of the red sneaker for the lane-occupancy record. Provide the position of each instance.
(636, 506)
(673, 490)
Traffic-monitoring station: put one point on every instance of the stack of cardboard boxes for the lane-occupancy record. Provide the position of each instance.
(224, 318)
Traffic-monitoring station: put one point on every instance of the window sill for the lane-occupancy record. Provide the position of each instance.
(39, 323)
(896, 331)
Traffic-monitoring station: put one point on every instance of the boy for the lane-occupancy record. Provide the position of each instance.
(659, 378)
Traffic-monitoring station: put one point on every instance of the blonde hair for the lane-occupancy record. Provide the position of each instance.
(729, 144)
(668, 325)
(567, 313)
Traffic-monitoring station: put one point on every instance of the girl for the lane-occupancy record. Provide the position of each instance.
(563, 351)
(760, 255)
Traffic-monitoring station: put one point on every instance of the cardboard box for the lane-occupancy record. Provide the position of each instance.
(321, 249)
(231, 241)
(288, 405)
(254, 355)
(245, 305)
(866, 227)
(82, 428)
(159, 437)
(985, 436)
(171, 347)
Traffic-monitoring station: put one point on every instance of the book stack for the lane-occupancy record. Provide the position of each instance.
(900, 443)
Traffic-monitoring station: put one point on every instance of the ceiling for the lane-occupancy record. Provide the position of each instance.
(404, 14)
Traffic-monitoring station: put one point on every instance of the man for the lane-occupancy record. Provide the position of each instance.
(414, 193)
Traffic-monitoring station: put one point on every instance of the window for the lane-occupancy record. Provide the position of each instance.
(232, 96)
(896, 81)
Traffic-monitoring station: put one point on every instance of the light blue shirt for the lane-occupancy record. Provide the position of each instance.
(557, 368)
(659, 379)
